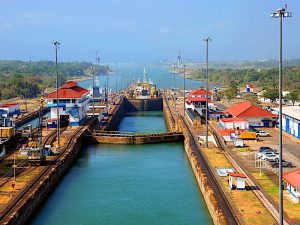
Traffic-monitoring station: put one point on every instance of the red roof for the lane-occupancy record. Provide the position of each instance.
(233, 119)
(198, 99)
(69, 84)
(233, 174)
(245, 109)
(292, 177)
(8, 105)
(68, 91)
(227, 132)
(200, 91)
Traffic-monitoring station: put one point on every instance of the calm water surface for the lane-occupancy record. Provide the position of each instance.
(128, 184)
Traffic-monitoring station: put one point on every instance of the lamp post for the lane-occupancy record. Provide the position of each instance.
(107, 92)
(25, 84)
(116, 78)
(93, 71)
(280, 13)
(183, 90)
(56, 46)
(208, 39)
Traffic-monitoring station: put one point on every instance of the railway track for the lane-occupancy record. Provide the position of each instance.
(261, 194)
(35, 182)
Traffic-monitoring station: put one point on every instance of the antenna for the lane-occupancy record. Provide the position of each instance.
(179, 60)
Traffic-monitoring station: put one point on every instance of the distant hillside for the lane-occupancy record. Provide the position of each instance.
(264, 78)
(67, 69)
(19, 79)
(247, 64)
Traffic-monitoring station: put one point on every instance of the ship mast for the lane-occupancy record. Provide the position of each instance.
(144, 77)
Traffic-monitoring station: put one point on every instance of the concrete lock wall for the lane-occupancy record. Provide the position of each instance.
(138, 139)
(37, 195)
(134, 105)
(117, 116)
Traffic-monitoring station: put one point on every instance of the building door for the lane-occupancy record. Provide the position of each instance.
(266, 123)
(287, 125)
(299, 130)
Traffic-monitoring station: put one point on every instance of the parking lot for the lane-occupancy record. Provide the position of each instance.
(291, 149)
(291, 152)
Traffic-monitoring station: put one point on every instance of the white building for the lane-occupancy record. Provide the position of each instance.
(256, 116)
(292, 181)
(290, 120)
(9, 109)
(237, 181)
(234, 123)
(73, 105)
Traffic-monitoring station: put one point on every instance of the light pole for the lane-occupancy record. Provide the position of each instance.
(183, 90)
(107, 92)
(93, 71)
(56, 46)
(116, 78)
(25, 84)
(208, 39)
(280, 13)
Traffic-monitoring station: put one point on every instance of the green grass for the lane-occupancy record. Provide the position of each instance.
(292, 209)
(246, 149)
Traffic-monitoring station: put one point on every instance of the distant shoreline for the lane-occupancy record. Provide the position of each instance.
(80, 79)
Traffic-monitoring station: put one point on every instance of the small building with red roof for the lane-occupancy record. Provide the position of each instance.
(234, 123)
(237, 181)
(201, 92)
(9, 109)
(292, 181)
(256, 116)
(72, 103)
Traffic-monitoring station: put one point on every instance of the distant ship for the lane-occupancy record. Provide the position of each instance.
(97, 92)
(144, 89)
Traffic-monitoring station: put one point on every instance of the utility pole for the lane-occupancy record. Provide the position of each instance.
(107, 92)
(280, 13)
(93, 71)
(208, 39)
(25, 99)
(183, 90)
(56, 46)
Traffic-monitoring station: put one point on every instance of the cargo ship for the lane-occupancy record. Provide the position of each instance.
(143, 89)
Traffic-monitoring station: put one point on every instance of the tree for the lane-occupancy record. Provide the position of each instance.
(293, 96)
(229, 94)
(250, 97)
(271, 93)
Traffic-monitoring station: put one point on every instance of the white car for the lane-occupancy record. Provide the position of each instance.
(270, 156)
(262, 133)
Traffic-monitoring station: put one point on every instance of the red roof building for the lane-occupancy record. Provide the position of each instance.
(292, 180)
(72, 105)
(256, 116)
(69, 90)
(236, 181)
(201, 93)
(233, 119)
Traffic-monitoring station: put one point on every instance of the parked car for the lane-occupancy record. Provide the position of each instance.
(262, 133)
(264, 148)
(270, 156)
(268, 151)
(275, 164)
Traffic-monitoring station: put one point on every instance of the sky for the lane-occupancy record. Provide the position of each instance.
(146, 30)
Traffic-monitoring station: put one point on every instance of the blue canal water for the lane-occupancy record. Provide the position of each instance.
(128, 184)
(160, 74)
